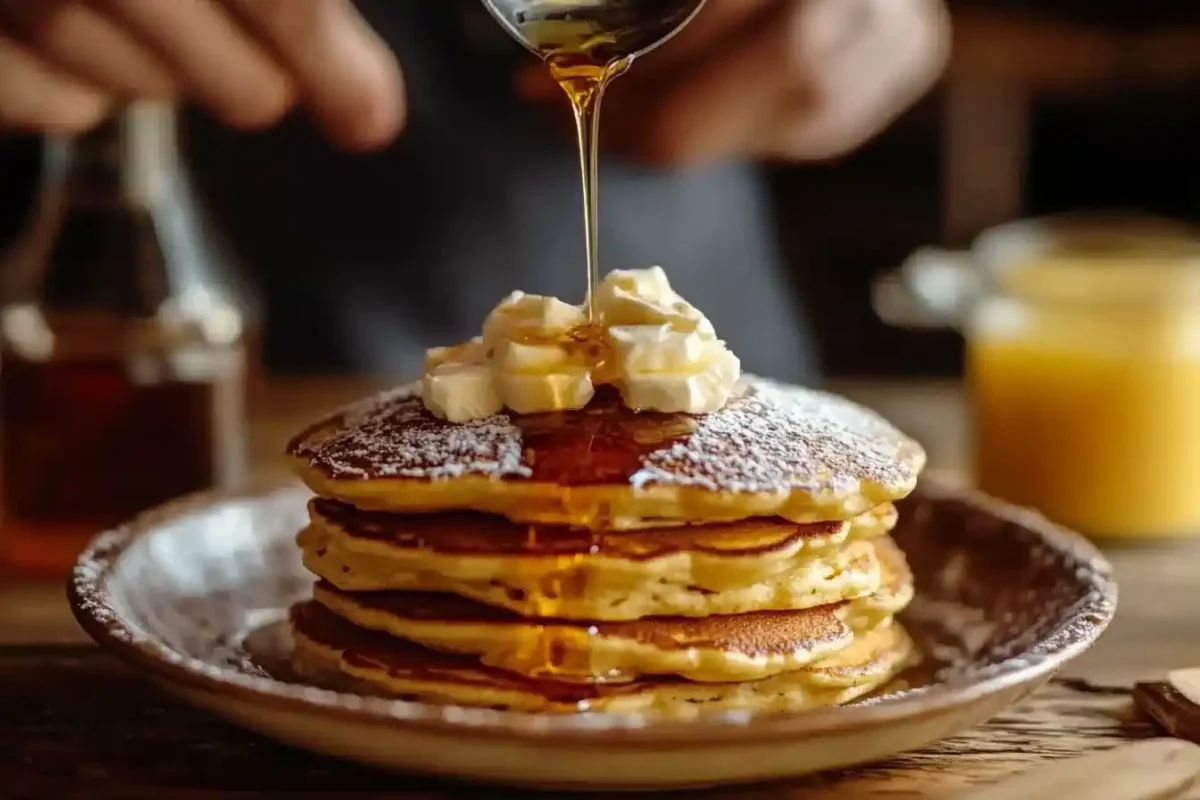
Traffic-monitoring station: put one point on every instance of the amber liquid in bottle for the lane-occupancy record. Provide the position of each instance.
(122, 350)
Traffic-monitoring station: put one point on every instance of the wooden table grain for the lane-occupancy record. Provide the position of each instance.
(74, 722)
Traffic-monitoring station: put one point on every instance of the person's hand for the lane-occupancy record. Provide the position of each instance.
(64, 63)
(791, 79)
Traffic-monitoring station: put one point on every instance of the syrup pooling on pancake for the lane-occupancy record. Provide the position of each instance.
(328, 646)
(773, 450)
(750, 646)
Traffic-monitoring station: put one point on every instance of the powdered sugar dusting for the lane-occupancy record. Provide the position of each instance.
(770, 438)
(88, 580)
(393, 436)
(777, 438)
(359, 412)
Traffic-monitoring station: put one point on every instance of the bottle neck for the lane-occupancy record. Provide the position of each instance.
(131, 158)
(115, 232)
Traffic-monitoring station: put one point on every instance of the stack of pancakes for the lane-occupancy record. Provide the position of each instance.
(606, 559)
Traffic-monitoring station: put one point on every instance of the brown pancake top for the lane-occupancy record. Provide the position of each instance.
(468, 533)
(753, 634)
(769, 438)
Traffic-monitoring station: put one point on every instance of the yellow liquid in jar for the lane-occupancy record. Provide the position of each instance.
(1090, 412)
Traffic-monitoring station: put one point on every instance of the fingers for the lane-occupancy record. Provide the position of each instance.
(79, 41)
(247, 61)
(717, 24)
(34, 96)
(803, 79)
(715, 107)
(345, 73)
(212, 55)
(699, 95)
(862, 63)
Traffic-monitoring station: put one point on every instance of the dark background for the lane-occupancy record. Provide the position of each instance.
(1111, 147)
(1133, 150)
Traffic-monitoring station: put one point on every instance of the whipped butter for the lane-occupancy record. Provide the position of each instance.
(539, 354)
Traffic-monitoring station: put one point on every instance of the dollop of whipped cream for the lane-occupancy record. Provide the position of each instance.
(539, 354)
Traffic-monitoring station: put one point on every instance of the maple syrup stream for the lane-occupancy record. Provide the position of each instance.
(586, 44)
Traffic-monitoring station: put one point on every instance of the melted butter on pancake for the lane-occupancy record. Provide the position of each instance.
(772, 450)
(539, 354)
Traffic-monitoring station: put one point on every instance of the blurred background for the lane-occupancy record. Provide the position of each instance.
(1048, 107)
(1045, 108)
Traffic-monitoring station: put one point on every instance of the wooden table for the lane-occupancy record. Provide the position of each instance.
(76, 723)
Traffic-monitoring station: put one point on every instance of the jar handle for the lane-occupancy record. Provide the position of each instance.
(933, 288)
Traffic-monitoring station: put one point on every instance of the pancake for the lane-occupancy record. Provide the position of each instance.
(773, 450)
(333, 652)
(473, 535)
(565, 586)
(708, 649)
(895, 592)
(367, 551)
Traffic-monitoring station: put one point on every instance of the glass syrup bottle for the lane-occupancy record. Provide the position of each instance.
(123, 344)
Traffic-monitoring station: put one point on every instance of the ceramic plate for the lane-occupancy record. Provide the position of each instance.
(194, 595)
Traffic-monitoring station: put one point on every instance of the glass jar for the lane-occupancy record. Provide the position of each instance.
(123, 344)
(1083, 366)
